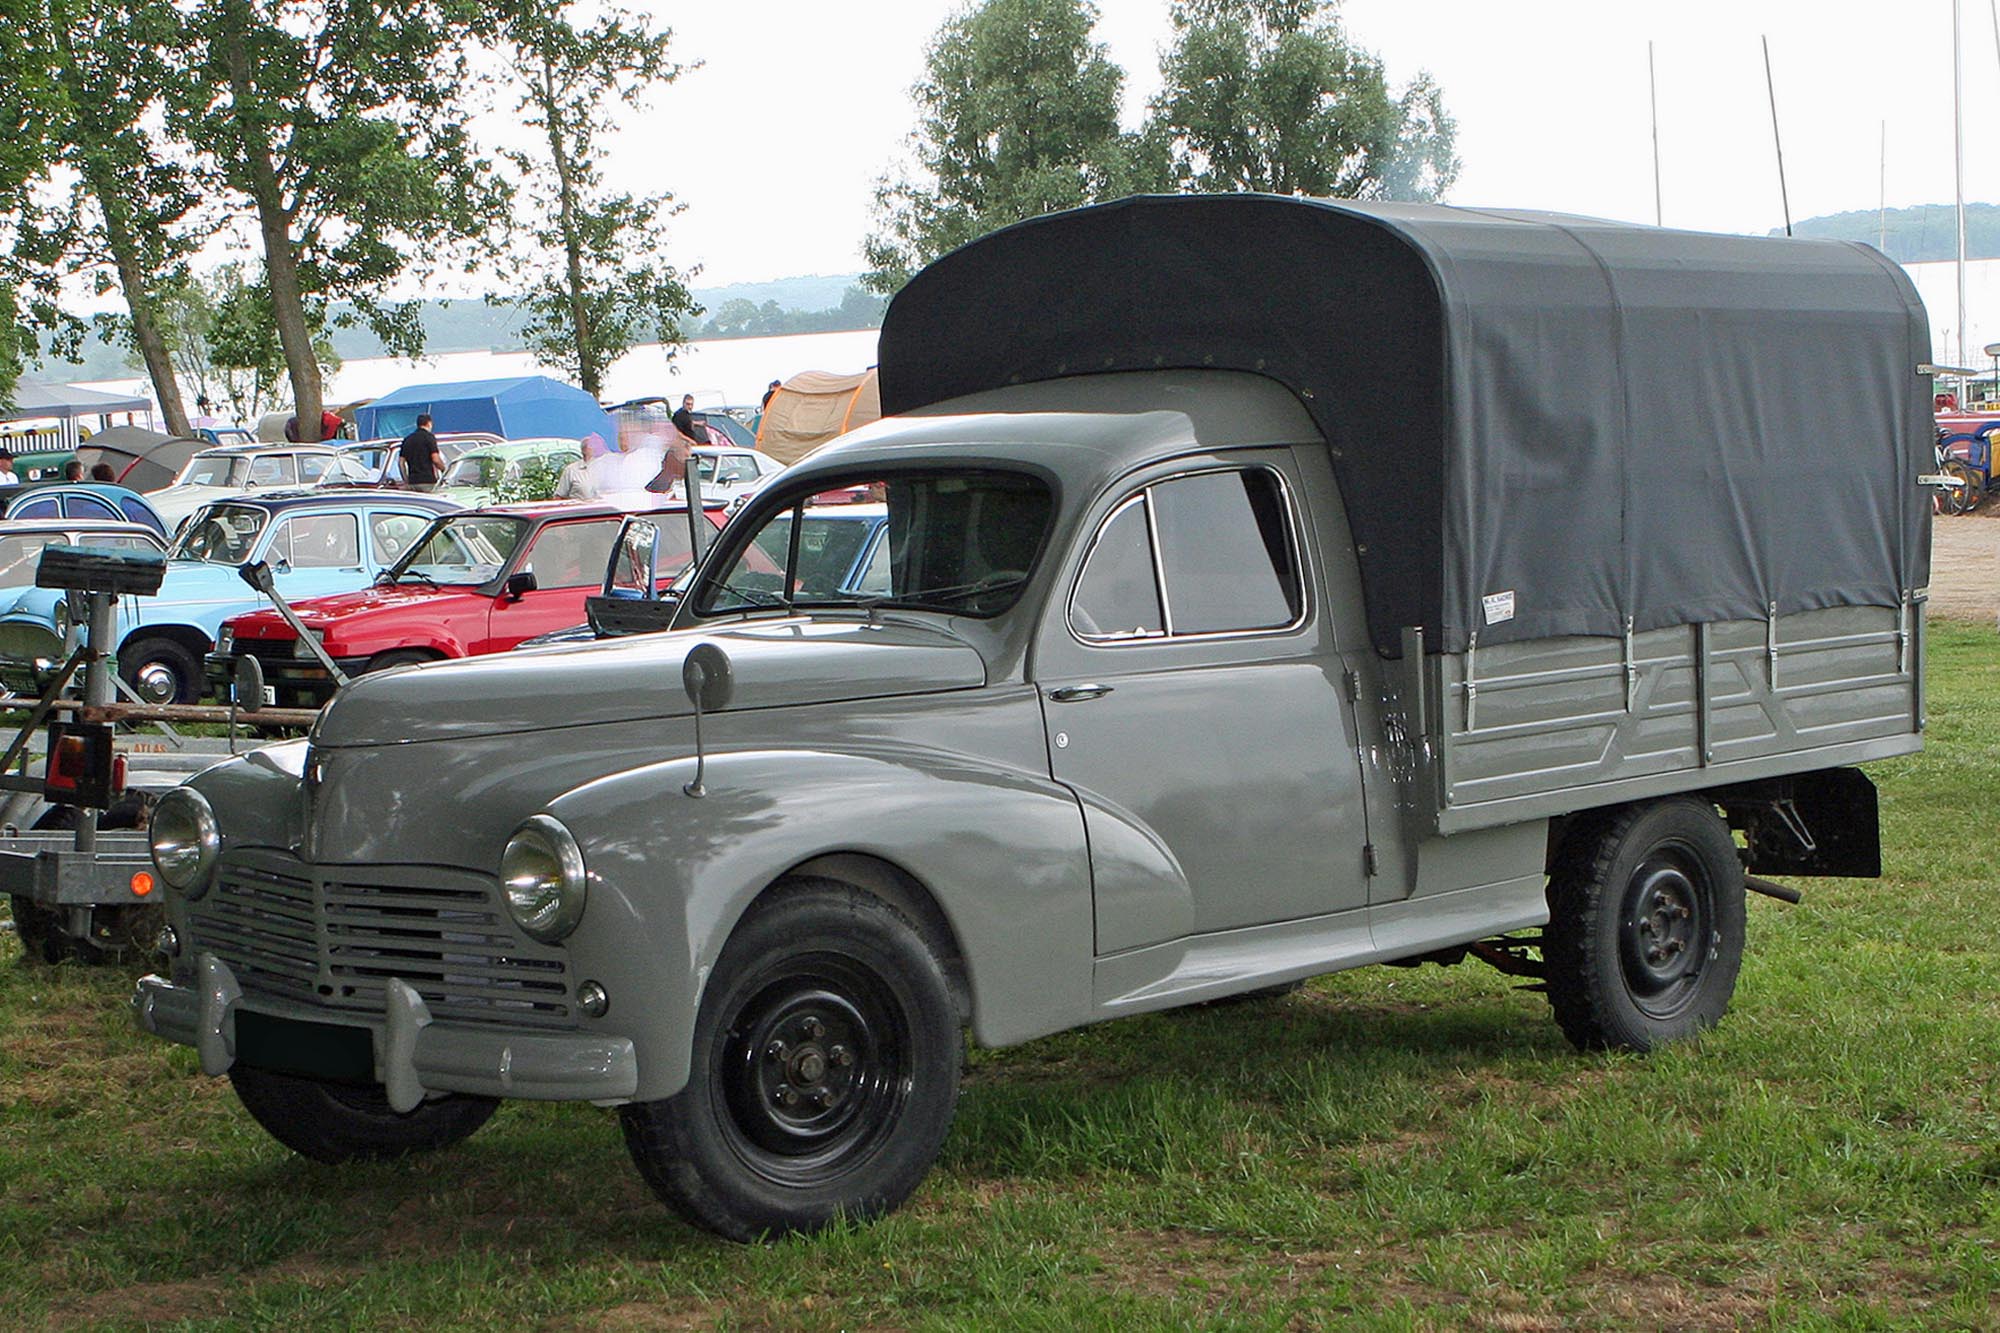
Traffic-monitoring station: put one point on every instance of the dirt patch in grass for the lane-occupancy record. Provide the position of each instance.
(147, 1303)
(638, 1317)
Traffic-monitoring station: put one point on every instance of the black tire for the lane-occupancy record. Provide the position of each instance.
(1646, 926)
(338, 1122)
(400, 657)
(825, 1071)
(1964, 497)
(119, 932)
(39, 930)
(161, 670)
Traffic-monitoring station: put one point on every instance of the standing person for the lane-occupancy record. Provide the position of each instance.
(767, 396)
(102, 472)
(73, 470)
(422, 463)
(7, 477)
(684, 419)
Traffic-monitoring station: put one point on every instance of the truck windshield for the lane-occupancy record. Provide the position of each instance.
(223, 534)
(962, 542)
(463, 550)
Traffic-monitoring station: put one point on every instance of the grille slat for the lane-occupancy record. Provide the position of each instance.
(292, 934)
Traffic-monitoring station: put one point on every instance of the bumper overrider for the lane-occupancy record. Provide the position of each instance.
(423, 979)
(413, 1055)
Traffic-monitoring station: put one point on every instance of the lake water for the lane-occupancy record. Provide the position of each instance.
(716, 372)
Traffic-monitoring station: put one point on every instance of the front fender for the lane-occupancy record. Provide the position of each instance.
(1002, 853)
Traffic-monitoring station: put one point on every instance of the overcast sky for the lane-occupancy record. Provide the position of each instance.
(776, 143)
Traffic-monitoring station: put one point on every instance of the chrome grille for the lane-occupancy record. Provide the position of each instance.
(314, 935)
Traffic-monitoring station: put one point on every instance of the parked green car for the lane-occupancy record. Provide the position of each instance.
(480, 475)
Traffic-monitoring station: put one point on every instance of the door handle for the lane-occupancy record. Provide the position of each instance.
(1070, 694)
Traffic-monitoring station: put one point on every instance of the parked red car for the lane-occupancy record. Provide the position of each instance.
(477, 581)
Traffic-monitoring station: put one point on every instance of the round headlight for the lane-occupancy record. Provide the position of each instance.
(541, 877)
(62, 618)
(185, 840)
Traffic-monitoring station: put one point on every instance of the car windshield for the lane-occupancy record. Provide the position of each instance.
(212, 470)
(476, 470)
(467, 549)
(963, 542)
(222, 534)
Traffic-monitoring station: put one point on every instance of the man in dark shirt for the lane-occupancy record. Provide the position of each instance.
(684, 419)
(422, 463)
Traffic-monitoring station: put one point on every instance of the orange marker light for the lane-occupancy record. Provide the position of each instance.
(142, 883)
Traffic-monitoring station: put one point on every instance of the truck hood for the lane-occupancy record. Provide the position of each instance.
(774, 664)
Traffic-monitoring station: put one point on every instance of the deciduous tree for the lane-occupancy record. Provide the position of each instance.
(593, 272)
(1017, 116)
(343, 123)
(1270, 95)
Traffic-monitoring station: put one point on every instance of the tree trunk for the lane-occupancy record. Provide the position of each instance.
(132, 276)
(589, 371)
(274, 224)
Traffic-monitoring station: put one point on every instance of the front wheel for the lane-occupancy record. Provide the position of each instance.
(825, 1071)
(338, 1122)
(161, 671)
(1646, 926)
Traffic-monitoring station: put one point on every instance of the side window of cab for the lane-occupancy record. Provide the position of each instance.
(1203, 554)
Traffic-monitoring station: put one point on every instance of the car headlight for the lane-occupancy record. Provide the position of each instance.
(225, 640)
(542, 879)
(185, 840)
(62, 619)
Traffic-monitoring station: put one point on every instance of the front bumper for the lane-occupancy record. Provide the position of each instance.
(300, 683)
(414, 1055)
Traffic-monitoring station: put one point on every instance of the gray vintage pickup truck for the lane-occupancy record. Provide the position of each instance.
(1269, 587)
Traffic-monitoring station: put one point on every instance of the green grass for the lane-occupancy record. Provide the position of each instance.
(1387, 1149)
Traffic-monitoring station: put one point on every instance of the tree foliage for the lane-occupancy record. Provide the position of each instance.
(1269, 95)
(1017, 116)
(593, 270)
(343, 124)
(224, 342)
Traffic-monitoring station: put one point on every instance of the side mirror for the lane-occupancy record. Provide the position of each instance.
(249, 682)
(519, 584)
(708, 677)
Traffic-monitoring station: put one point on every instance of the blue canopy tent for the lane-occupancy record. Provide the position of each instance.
(516, 409)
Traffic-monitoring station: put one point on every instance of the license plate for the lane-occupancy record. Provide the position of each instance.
(291, 1046)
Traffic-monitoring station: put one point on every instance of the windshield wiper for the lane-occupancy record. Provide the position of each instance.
(950, 593)
(392, 578)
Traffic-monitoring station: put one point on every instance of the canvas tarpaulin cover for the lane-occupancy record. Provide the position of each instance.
(1542, 425)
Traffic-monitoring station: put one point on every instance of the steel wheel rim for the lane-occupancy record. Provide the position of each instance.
(813, 1069)
(1666, 930)
(157, 682)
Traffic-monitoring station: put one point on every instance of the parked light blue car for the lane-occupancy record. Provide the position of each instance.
(315, 542)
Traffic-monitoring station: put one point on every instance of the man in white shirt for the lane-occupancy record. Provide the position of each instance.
(7, 477)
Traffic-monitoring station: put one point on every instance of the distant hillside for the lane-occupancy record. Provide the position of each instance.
(815, 304)
(1920, 235)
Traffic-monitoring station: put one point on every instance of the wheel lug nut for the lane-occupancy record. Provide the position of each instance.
(787, 1095)
(813, 1028)
(821, 1097)
(777, 1050)
(841, 1056)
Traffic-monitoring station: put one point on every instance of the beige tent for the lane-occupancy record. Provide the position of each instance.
(813, 407)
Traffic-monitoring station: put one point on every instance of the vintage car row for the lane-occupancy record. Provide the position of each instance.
(474, 582)
(1177, 689)
(316, 542)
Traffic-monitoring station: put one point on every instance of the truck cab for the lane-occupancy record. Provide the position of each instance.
(1339, 615)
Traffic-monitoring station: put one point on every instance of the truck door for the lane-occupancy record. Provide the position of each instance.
(1194, 700)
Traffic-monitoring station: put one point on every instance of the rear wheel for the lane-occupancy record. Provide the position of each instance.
(825, 1071)
(1646, 926)
(161, 670)
(338, 1122)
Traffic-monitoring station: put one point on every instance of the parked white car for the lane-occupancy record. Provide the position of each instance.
(234, 470)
